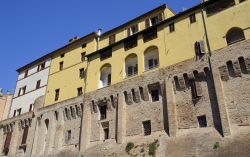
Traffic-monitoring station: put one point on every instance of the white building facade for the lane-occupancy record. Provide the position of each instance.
(31, 84)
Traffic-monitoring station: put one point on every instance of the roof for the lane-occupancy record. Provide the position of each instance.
(135, 19)
(49, 55)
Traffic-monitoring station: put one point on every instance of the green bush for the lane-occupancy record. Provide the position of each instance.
(216, 145)
(152, 149)
(129, 146)
(1, 126)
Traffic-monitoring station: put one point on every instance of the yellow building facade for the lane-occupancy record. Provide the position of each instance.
(157, 39)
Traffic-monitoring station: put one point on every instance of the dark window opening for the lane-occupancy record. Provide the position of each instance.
(103, 112)
(61, 66)
(242, 65)
(84, 45)
(111, 39)
(147, 127)
(132, 30)
(56, 115)
(62, 55)
(171, 27)
(155, 95)
(150, 35)
(79, 91)
(132, 70)
(47, 124)
(82, 73)
(14, 114)
(26, 73)
(106, 54)
(192, 18)
(38, 84)
(202, 121)
(152, 63)
(57, 91)
(106, 133)
(41, 66)
(83, 56)
(230, 69)
(235, 35)
(68, 135)
(19, 111)
(31, 107)
(196, 90)
(130, 43)
(109, 79)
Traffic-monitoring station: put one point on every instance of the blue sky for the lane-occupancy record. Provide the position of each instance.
(30, 29)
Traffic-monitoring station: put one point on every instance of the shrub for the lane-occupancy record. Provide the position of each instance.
(216, 145)
(152, 149)
(1, 126)
(129, 146)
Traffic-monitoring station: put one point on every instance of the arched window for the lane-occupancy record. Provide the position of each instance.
(131, 66)
(105, 77)
(235, 35)
(151, 58)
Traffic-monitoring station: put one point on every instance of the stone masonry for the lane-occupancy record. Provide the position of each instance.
(194, 108)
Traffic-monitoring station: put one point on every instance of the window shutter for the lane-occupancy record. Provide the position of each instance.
(19, 92)
(160, 17)
(147, 23)
(198, 89)
(7, 141)
(202, 46)
(25, 134)
(128, 32)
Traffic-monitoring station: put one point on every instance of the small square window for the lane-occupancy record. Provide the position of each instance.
(111, 39)
(84, 45)
(62, 55)
(79, 91)
(68, 136)
(38, 84)
(171, 27)
(155, 95)
(202, 121)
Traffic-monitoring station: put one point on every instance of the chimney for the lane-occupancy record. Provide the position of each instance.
(74, 39)
(98, 33)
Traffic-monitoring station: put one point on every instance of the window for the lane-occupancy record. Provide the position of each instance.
(200, 48)
(38, 83)
(154, 90)
(150, 35)
(47, 125)
(111, 39)
(41, 66)
(192, 18)
(31, 107)
(61, 66)
(14, 114)
(57, 92)
(171, 27)
(22, 91)
(147, 127)
(131, 65)
(202, 121)
(103, 112)
(26, 73)
(106, 133)
(130, 43)
(107, 53)
(82, 73)
(132, 30)
(62, 55)
(151, 58)
(79, 91)
(105, 78)
(68, 136)
(25, 135)
(154, 20)
(7, 143)
(235, 35)
(83, 56)
(242, 1)
(19, 111)
(84, 45)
